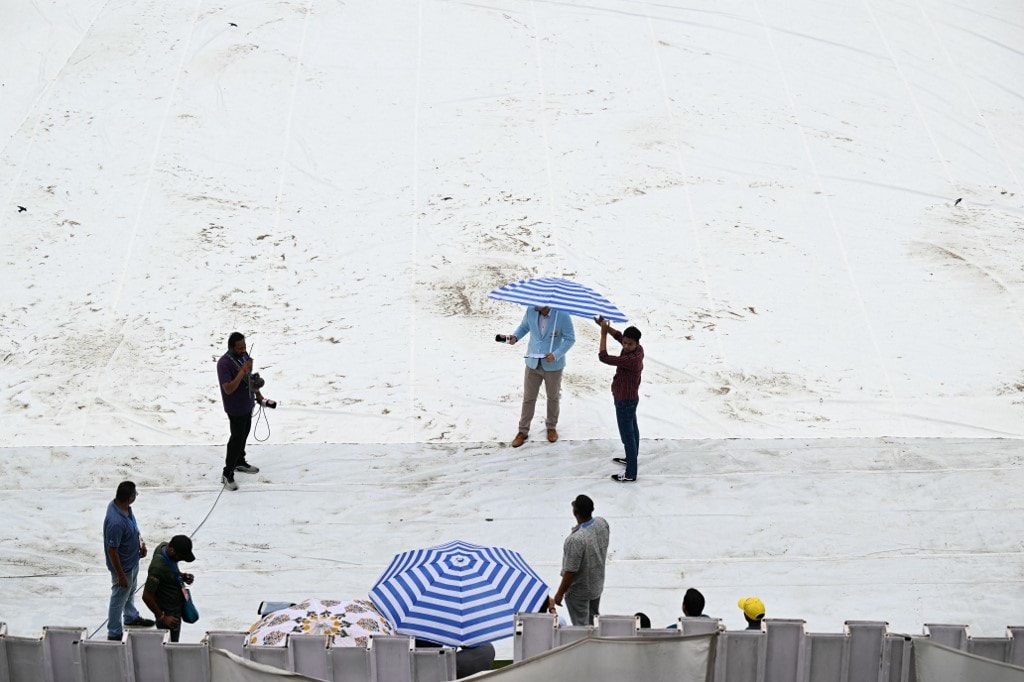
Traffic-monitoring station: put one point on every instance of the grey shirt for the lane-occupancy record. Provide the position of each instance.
(584, 554)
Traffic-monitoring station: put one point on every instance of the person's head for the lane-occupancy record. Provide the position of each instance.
(180, 548)
(582, 508)
(630, 339)
(125, 493)
(753, 611)
(693, 603)
(645, 621)
(236, 343)
(544, 310)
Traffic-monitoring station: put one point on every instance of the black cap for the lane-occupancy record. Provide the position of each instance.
(182, 546)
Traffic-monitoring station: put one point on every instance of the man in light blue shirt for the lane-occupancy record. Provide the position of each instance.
(551, 337)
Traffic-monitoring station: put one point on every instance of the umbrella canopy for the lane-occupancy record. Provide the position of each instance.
(458, 594)
(349, 623)
(560, 294)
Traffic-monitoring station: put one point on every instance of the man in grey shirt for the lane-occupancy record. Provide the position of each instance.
(583, 558)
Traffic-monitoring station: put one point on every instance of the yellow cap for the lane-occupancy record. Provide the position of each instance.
(753, 608)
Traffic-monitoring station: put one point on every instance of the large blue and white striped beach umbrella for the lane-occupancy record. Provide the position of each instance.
(458, 594)
(560, 294)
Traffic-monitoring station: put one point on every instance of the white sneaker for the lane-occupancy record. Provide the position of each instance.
(229, 483)
(247, 468)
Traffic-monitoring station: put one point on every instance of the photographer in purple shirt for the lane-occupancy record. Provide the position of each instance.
(240, 390)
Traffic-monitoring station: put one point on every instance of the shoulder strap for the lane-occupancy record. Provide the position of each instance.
(174, 567)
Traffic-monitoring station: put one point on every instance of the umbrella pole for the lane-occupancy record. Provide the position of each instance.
(554, 326)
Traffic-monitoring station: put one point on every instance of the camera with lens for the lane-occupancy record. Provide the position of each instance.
(256, 381)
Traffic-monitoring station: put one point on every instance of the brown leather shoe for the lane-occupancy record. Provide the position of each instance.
(518, 440)
(552, 435)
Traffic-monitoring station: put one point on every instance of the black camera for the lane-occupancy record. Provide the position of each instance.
(501, 338)
(256, 381)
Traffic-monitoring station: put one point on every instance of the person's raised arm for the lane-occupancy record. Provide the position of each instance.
(602, 353)
(232, 386)
(606, 325)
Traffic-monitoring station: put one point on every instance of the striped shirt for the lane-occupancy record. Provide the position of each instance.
(629, 366)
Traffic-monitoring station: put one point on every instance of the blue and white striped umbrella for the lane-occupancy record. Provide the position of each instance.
(560, 294)
(458, 594)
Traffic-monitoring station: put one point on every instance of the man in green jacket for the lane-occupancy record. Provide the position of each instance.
(163, 591)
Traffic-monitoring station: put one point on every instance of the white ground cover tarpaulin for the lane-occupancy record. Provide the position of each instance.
(768, 188)
(938, 663)
(613, 659)
(902, 530)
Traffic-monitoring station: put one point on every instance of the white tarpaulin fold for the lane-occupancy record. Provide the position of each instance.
(937, 663)
(613, 659)
(227, 667)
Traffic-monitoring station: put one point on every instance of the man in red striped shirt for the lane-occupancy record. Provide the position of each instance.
(625, 390)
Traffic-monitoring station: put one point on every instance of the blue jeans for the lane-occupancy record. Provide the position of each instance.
(629, 432)
(122, 602)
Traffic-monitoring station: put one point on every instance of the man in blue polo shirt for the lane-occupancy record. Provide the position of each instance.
(123, 546)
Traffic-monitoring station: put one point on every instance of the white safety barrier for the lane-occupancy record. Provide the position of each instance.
(780, 652)
(65, 655)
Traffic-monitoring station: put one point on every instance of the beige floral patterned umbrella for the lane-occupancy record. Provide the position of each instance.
(349, 623)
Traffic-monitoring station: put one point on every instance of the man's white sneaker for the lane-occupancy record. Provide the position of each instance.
(247, 468)
(229, 483)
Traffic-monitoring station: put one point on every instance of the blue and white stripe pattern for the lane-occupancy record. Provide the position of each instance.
(560, 294)
(459, 594)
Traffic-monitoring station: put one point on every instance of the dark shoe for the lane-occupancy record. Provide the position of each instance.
(114, 638)
(247, 468)
(140, 623)
(229, 483)
(621, 478)
(552, 435)
(518, 440)
(619, 460)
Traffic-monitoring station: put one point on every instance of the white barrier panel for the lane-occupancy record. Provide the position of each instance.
(613, 659)
(937, 663)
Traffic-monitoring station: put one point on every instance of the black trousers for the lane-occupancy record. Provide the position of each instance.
(236, 444)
